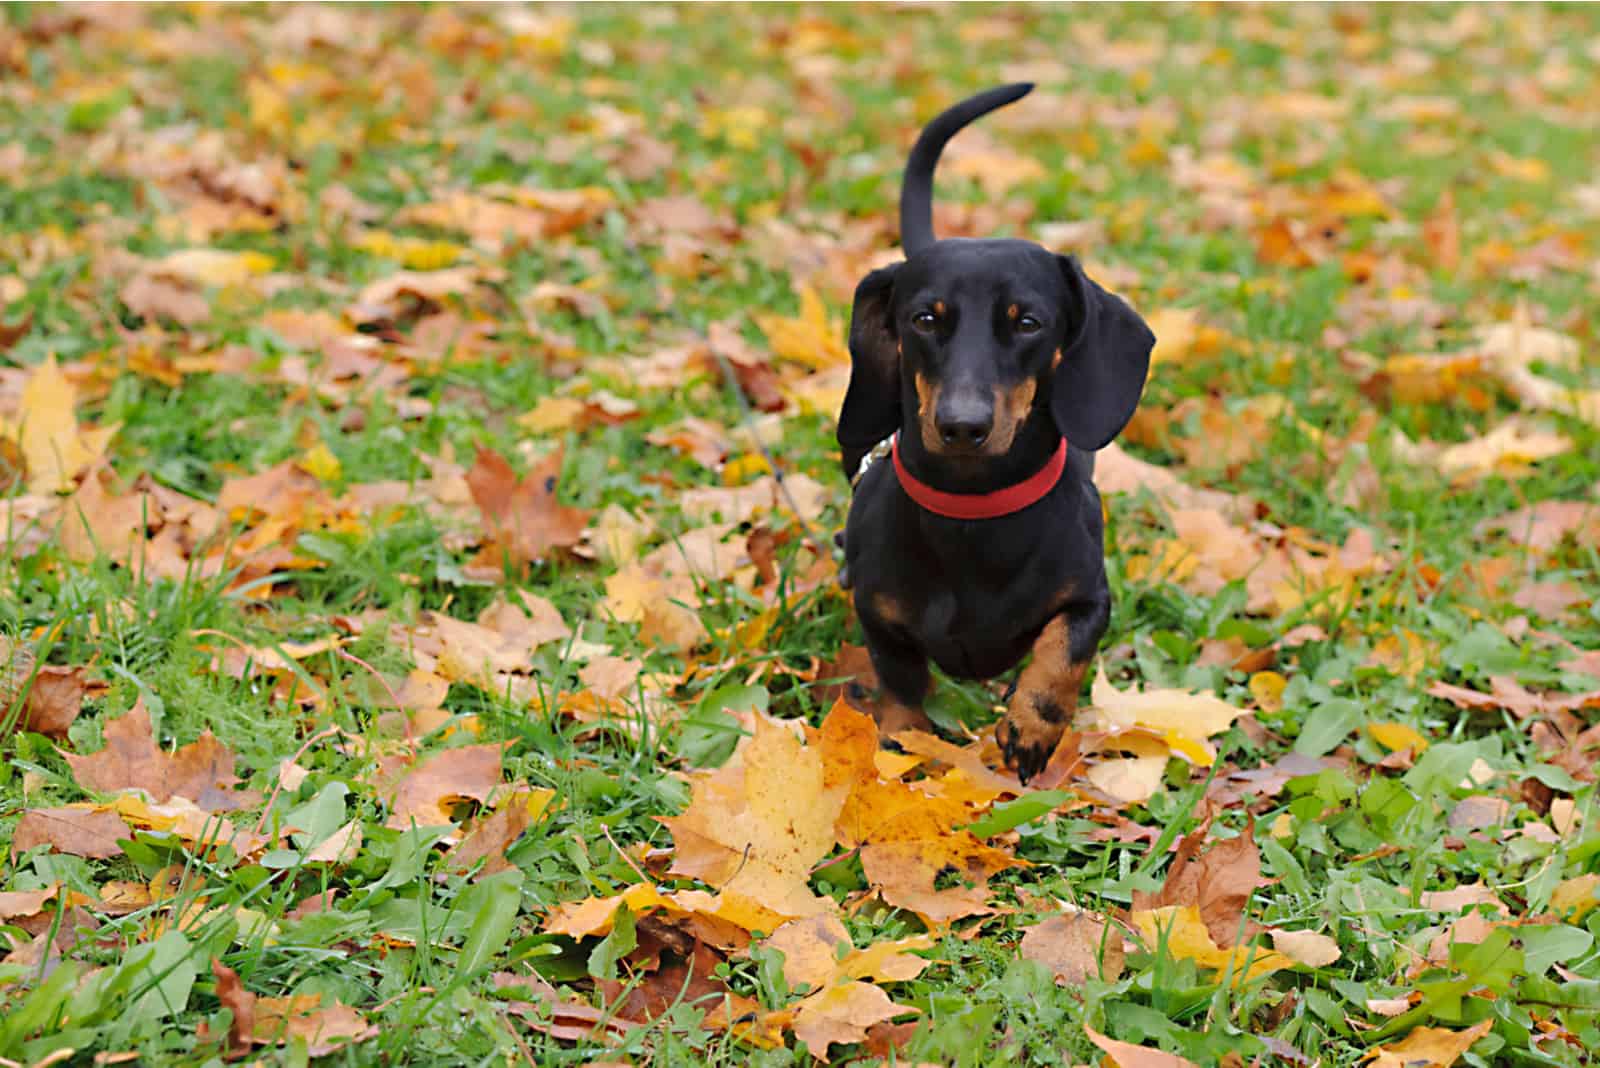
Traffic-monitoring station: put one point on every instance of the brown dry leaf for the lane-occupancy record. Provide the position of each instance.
(610, 677)
(426, 796)
(1576, 895)
(491, 836)
(1077, 946)
(1128, 1055)
(522, 516)
(240, 1001)
(279, 1021)
(181, 817)
(1429, 1047)
(1217, 883)
(1467, 896)
(842, 1014)
(560, 1018)
(201, 771)
(77, 830)
(51, 695)
(755, 827)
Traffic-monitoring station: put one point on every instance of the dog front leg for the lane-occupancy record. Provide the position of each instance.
(1047, 690)
(902, 670)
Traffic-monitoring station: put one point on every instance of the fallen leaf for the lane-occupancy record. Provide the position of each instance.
(841, 1014)
(77, 830)
(1128, 1055)
(201, 771)
(1180, 929)
(1306, 947)
(55, 449)
(755, 826)
(1181, 718)
(1428, 1047)
(1077, 946)
(428, 794)
(522, 516)
(1217, 883)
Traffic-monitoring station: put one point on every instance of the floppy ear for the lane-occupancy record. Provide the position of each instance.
(871, 409)
(1097, 384)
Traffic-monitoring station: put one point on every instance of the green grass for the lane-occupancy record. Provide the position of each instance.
(414, 103)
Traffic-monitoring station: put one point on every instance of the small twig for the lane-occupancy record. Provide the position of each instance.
(411, 742)
(325, 732)
(637, 870)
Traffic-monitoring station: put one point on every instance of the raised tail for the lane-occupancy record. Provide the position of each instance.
(916, 191)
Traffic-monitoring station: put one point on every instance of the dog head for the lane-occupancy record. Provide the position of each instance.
(965, 344)
(967, 341)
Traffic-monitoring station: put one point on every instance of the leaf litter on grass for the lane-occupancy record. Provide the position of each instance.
(409, 642)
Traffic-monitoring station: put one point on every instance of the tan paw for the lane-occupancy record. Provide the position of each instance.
(1029, 733)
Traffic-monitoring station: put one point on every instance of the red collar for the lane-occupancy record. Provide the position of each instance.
(1013, 498)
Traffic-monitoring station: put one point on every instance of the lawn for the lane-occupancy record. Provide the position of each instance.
(419, 631)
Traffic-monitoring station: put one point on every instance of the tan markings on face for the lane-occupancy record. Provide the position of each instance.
(889, 609)
(927, 404)
(938, 308)
(1011, 407)
(1056, 360)
(1012, 312)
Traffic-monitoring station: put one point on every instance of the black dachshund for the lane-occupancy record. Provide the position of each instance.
(998, 367)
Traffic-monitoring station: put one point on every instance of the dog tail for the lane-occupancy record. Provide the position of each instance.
(916, 192)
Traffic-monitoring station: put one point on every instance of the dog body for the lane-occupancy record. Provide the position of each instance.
(1000, 368)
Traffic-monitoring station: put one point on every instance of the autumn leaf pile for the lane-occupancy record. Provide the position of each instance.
(420, 639)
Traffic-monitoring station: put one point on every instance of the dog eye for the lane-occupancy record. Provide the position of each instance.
(1029, 325)
(924, 320)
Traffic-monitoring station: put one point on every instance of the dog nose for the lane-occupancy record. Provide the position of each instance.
(965, 426)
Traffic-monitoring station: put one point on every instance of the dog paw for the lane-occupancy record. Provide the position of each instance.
(1029, 733)
(894, 717)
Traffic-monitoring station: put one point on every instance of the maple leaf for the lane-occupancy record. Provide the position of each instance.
(1429, 1047)
(1217, 883)
(425, 796)
(1180, 929)
(1077, 946)
(842, 1014)
(811, 338)
(51, 695)
(77, 830)
(1181, 719)
(755, 827)
(523, 517)
(1129, 1055)
(907, 838)
(201, 771)
(55, 449)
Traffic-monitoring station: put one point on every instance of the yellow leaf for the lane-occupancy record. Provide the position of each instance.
(1507, 449)
(1184, 934)
(741, 469)
(757, 825)
(1184, 720)
(320, 462)
(810, 338)
(1429, 1047)
(1306, 947)
(414, 253)
(1576, 895)
(1529, 169)
(552, 413)
(54, 447)
(1397, 736)
(1267, 688)
(1175, 330)
(213, 266)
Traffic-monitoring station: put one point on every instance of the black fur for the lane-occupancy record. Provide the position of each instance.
(980, 322)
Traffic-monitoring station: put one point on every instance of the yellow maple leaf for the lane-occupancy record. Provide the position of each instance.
(755, 826)
(1181, 930)
(1181, 718)
(54, 447)
(811, 338)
